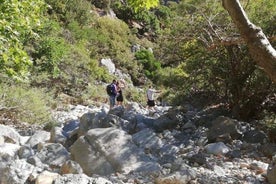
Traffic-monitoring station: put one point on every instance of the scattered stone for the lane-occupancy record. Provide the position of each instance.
(126, 145)
(218, 148)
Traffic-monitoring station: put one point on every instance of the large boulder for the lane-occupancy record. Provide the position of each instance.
(57, 136)
(70, 127)
(16, 172)
(255, 136)
(109, 65)
(38, 137)
(9, 134)
(52, 154)
(172, 119)
(105, 151)
(218, 148)
(223, 129)
(148, 140)
(8, 151)
(91, 120)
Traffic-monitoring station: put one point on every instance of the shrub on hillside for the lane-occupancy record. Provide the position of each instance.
(150, 64)
(24, 104)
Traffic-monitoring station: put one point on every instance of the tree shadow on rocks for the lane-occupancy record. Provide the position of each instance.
(173, 119)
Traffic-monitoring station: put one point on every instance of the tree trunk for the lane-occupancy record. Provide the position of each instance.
(259, 47)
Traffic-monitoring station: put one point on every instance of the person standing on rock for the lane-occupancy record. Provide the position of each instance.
(150, 97)
(112, 93)
(119, 98)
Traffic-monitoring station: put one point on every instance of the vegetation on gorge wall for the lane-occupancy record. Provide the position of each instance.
(56, 46)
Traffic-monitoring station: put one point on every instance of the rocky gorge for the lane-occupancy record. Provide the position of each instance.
(128, 145)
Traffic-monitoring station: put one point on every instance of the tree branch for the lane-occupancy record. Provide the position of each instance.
(259, 47)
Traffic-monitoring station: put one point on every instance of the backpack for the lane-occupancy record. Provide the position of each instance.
(109, 89)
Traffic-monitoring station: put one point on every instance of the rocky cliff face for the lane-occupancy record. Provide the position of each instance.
(133, 145)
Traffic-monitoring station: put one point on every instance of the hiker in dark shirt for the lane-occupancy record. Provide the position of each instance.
(112, 96)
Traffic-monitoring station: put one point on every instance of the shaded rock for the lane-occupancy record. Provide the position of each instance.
(223, 127)
(25, 152)
(118, 111)
(165, 159)
(70, 127)
(38, 137)
(53, 154)
(71, 167)
(91, 120)
(146, 138)
(234, 154)
(90, 159)
(36, 162)
(198, 158)
(173, 119)
(111, 121)
(189, 125)
(57, 135)
(268, 149)
(255, 136)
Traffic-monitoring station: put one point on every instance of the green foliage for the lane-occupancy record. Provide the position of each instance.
(172, 77)
(268, 123)
(260, 13)
(97, 72)
(49, 53)
(15, 62)
(78, 33)
(150, 64)
(70, 11)
(143, 22)
(164, 14)
(78, 10)
(29, 105)
(103, 4)
(19, 22)
(113, 29)
(113, 41)
(67, 43)
(135, 95)
(225, 70)
(94, 94)
(143, 4)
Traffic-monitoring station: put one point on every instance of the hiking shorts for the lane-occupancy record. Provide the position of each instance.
(151, 103)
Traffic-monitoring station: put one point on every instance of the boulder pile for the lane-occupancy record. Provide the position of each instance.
(128, 145)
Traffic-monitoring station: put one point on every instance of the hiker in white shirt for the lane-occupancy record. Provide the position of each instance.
(150, 97)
